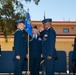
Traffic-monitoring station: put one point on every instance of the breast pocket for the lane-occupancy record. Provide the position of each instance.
(45, 37)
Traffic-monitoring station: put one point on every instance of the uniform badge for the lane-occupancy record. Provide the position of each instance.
(45, 35)
(39, 39)
(44, 39)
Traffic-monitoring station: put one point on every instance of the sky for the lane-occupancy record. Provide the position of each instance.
(55, 9)
(58, 10)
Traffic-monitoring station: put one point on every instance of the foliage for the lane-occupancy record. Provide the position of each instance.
(10, 11)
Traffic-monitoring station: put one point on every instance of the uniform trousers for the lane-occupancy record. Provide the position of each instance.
(49, 66)
(19, 64)
(34, 66)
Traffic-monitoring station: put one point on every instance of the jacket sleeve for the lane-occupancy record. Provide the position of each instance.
(41, 34)
(74, 51)
(27, 47)
(40, 45)
(51, 43)
(17, 42)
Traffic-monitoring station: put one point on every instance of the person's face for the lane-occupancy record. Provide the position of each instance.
(35, 31)
(21, 26)
(47, 25)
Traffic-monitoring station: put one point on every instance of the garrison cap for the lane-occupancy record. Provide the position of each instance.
(19, 21)
(35, 27)
(46, 20)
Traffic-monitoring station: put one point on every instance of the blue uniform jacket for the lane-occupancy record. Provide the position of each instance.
(74, 51)
(35, 47)
(48, 43)
(20, 44)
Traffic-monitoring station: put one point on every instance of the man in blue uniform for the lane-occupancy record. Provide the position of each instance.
(35, 52)
(48, 44)
(20, 47)
(0, 50)
(74, 57)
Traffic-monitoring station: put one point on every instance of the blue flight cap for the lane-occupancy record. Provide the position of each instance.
(19, 21)
(46, 20)
(35, 27)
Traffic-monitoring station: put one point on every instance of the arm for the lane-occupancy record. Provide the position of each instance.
(17, 43)
(74, 51)
(41, 49)
(51, 42)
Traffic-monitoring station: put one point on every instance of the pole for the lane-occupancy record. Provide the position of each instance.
(28, 55)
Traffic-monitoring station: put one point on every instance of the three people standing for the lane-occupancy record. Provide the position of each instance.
(38, 45)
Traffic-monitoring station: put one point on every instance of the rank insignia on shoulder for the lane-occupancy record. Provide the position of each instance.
(17, 30)
(51, 28)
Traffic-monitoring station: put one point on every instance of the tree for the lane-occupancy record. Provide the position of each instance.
(8, 16)
(35, 1)
(9, 11)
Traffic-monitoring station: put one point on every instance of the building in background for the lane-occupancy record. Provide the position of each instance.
(65, 30)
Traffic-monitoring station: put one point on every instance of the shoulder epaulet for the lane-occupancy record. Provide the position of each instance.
(17, 30)
(51, 28)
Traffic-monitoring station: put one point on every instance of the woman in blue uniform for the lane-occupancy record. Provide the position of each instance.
(35, 52)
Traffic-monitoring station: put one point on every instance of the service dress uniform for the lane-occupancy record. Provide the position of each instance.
(48, 45)
(35, 46)
(20, 48)
(0, 50)
(74, 57)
